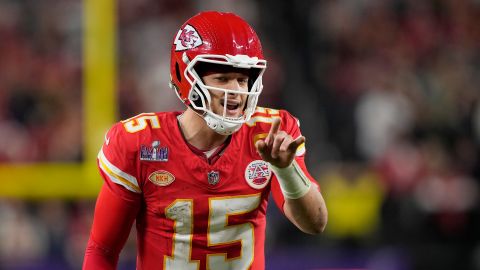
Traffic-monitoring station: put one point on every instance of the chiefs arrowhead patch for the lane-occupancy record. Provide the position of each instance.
(187, 38)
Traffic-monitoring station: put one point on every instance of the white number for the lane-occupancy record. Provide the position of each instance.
(139, 122)
(181, 211)
(219, 232)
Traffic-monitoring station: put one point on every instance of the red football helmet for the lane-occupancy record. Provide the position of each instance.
(221, 39)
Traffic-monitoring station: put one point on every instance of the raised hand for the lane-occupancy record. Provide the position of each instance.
(278, 148)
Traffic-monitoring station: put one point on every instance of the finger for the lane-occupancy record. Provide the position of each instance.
(273, 130)
(261, 147)
(286, 143)
(296, 143)
(278, 140)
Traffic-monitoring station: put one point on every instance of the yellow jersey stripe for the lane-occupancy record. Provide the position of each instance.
(262, 119)
(118, 176)
(300, 150)
(118, 179)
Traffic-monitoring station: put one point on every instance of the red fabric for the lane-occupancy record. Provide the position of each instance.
(215, 156)
(113, 220)
(225, 217)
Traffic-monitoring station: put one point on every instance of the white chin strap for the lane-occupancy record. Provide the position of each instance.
(219, 126)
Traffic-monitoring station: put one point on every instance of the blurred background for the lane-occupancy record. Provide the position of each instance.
(387, 92)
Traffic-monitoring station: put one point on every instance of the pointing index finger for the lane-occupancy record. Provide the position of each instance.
(273, 130)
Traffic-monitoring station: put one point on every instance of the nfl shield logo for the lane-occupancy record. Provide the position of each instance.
(213, 177)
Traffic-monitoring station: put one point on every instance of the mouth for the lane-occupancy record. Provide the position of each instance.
(233, 107)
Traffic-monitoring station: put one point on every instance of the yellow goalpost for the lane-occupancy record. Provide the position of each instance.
(75, 180)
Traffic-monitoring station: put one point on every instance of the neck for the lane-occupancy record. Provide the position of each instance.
(197, 133)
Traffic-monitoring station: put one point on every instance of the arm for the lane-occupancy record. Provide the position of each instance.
(304, 206)
(112, 223)
(308, 212)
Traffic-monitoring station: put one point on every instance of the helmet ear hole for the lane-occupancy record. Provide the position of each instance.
(254, 73)
(197, 97)
(177, 72)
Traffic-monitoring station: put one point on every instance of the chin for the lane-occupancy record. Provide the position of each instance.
(234, 115)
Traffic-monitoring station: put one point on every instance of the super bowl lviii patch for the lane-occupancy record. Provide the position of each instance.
(154, 152)
(258, 174)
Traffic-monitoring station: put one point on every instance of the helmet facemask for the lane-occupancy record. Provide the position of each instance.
(200, 98)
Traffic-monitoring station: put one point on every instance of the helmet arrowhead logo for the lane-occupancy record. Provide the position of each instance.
(187, 38)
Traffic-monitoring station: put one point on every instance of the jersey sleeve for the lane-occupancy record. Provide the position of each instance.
(291, 125)
(118, 161)
(118, 201)
(112, 222)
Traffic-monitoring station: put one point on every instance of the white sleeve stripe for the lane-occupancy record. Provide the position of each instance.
(262, 119)
(121, 181)
(116, 171)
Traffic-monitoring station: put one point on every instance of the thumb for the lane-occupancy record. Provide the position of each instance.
(296, 143)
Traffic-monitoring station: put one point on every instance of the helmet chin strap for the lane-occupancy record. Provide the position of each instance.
(219, 126)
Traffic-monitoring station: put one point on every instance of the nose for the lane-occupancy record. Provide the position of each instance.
(233, 84)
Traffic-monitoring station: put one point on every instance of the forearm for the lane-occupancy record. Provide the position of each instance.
(112, 222)
(98, 257)
(304, 205)
(308, 213)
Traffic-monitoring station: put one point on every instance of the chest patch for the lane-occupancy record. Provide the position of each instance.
(161, 178)
(258, 174)
(154, 153)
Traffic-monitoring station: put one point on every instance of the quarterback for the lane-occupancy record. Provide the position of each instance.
(196, 183)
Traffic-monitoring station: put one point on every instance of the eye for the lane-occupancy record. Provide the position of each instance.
(243, 81)
(222, 79)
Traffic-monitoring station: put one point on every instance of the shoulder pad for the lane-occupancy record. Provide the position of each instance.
(140, 122)
(263, 115)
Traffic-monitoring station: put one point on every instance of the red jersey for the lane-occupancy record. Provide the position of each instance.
(194, 215)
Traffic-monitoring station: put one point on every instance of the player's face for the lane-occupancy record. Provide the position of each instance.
(231, 81)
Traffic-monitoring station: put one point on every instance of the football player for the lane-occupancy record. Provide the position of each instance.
(197, 182)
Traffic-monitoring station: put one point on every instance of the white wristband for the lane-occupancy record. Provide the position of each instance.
(293, 182)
